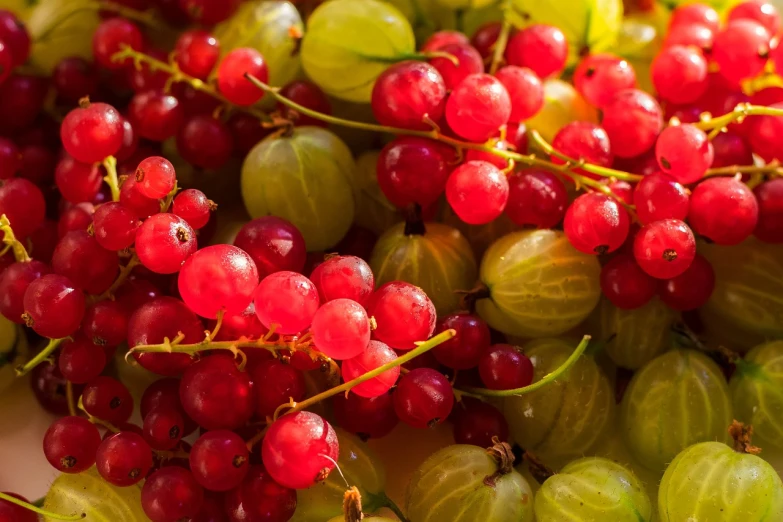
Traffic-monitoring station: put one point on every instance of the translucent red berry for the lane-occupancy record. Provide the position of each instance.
(664, 249)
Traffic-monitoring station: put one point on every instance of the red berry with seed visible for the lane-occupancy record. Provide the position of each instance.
(219, 460)
(108, 399)
(70, 444)
(164, 242)
(123, 459)
(596, 224)
(723, 209)
(599, 77)
(163, 427)
(684, 152)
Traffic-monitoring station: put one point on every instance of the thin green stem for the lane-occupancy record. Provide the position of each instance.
(420, 349)
(40, 511)
(20, 252)
(740, 112)
(177, 76)
(546, 380)
(125, 272)
(389, 503)
(427, 55)
(500, 44)
(69, 398)
(41, 357)
(773, 168)
(111, 179)
(147, 18)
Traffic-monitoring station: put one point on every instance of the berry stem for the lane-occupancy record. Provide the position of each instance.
(740, 112)
(41, 357)
(125, 272)
(95, 420)
(177, 76)
(423, 347)
(20, 253)
(389, 503)
(146, 18)
(434, 134)
(411, 56)
(69, 398)
(772, 168)
(500, 44)
(545, 380)
(166, 202)
(36, 509)
(110, 164)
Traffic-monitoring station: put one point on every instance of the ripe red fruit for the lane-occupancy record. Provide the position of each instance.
(691, 289)
(109, 38)
(341, 329)
(205, 142)
(23, 204)
(377, 354)
(307, 95)
(164, 242)
(664, 249)
(525, 90)
(196, 53)
(581, 140)
(259, 497)
(171, 493)
(300, 449)
(53, 306)
(679, 74)
(503, 367)
(274, 383)
(477, 191)
(468, 62)
(596, 224)
(632, 120)
(404, 315)
(542, 48)
(92, 132)
(86, 263)
(684, 152)
(70, 444)
(219, 460)
(406, 93)
(10, 512)
(464, 350)
(215, 394)
(81, 360)
(477, 107)
(367, 418)
(759, 11)
(343, 277)
(658, 196)
(770, 201)
(115, 226)
(155, 116)
(274, 244)
(625, 284)
(231, 79)
(108, 399)
(536, 197)
(696, 13)
(478, 423)
(423, 398)
(741, 49)
(14, 281)
(599, 77)
(123, 459)
(288, 300)
(724, 210)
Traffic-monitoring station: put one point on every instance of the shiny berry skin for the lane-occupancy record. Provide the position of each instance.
(77, 182)
(679, 74)
(691, 289)
(155, 177)
(10, 512)
(596, 224)
(477, 191)
(132, 199)
(770, 202)
(696, 35)
(108, 399)
(80, 360)
(231, 79)
(163, 427)
(215, 394)
(542, 48)
(295, 448)
(308, 95)
(741, 49)
(91, 133)
(155, 116)
(260, 498)
(274, 244)
(343, 277)
(423, 398)
(723, 209)
(14, 34)
(367, 418)
(205, 142)
(684, 153)
(469, 62)
(286, 299)
(124, 459)
(599, 77)
(404, 314)
(503, 367)
(729, 148)
(406, 93)
(115, 226)
(14, 281)
(193, 206)
(70, 444)
(77, 217)
(758, 10)
(152, 322)
(341, 329)
(219, 460)
(632, 120)
(658, 196)
(376, 355)
(478, 423)
(23, 204)
(164, 242)
(477, 107)
(525, 90)
(49, 387)
(664, 249)
(413, 170)
(625, 284)
(209, 12)
(21, 99)
(581, 140)
(171, 494)
(87, 264)
(274, 383)
(109, 38)
(696, 13)
(196, 53)
(464, 350)
(218, 277)
(53, 306)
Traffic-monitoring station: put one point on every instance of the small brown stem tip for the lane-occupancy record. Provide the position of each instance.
(742, 434)
(352, 505)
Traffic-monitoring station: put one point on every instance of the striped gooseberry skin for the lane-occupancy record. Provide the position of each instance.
(711, 481)
(565, 419)
(755, 393)
(452, 484)
(593, 488)
(678, 399)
